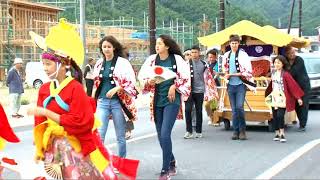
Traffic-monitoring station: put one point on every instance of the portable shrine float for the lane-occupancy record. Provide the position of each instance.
(260, 43)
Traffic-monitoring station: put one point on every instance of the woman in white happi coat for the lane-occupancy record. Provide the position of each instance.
(166, 97)
(115, 82)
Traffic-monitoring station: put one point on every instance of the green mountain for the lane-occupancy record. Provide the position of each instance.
(279, 10)
(191, 12)
(187, 11)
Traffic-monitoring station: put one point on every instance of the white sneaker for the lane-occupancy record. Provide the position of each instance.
(276, 138)
(198, 135)
(283, 139)
(216, 124)
(188, 135)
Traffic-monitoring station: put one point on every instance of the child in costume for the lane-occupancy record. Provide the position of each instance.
(65, 132)
(282, 94)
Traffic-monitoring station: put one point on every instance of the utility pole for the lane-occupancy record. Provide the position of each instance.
(279, 23)
(291, 14)
(216, 24)
(152, 27)
(300, 18)
(222, 24)
(112, 4)
(82, 28)
(144, 21)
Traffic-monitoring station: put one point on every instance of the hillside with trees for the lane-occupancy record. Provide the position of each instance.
(191, 12)
(277, 11)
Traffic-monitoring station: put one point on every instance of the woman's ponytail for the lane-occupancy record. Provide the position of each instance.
(76, 71)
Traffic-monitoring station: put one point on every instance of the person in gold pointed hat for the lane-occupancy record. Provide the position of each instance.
(64, 115)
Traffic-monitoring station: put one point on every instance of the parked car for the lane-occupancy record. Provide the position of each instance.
(35, 75)
(312, 63)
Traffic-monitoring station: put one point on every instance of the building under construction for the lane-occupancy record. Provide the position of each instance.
(18, 17)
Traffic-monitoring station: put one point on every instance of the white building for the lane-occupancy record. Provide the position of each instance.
(293, 31)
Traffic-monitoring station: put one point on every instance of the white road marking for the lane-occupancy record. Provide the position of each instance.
(285, 162)
(134, 139)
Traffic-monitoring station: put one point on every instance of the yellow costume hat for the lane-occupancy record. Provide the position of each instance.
(63, 39)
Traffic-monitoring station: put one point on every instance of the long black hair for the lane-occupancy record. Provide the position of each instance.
(118, 48)
(284, 61)
(173, 46)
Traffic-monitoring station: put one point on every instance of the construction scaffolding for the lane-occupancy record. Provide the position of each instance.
(18, 17)
(182, 33)
(4, 35)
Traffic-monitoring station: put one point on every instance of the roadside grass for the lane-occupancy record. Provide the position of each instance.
(28, 97)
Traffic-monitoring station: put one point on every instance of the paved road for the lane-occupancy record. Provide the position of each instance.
(306, 167)
(213, 156)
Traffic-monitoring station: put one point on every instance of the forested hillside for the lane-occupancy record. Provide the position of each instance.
(273, 10)
(190, 12)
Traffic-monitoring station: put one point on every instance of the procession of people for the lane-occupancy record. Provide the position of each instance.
(68, 135)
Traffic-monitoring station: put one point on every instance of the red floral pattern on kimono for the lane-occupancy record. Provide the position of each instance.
(182, 82)
(124, 76)
(211, 91)
(73, 164)
(244, 65)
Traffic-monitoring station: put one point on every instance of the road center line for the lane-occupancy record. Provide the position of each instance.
(134, 139)
(285, 162)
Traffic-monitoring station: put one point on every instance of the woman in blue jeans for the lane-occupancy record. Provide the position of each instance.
(166, 96)
(115, 81)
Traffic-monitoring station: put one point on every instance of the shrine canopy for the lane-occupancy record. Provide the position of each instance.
(266, 34)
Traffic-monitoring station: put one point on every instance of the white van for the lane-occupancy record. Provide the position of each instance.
(35, 75)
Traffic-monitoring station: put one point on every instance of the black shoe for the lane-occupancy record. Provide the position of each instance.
(283, 139)
(301, 129)
(276, 138)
